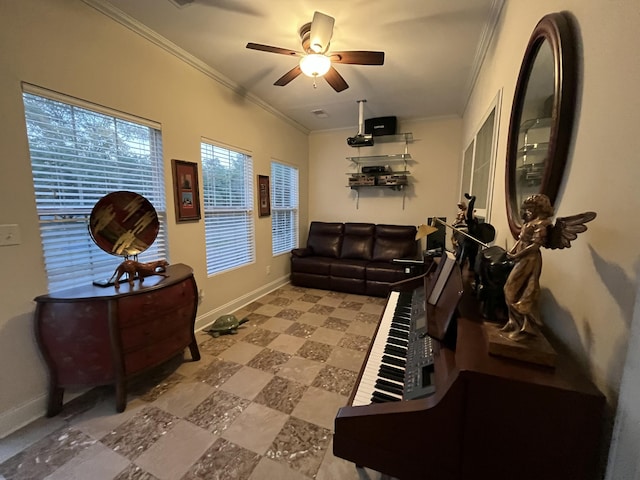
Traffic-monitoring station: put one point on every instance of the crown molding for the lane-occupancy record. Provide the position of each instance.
(135, 26)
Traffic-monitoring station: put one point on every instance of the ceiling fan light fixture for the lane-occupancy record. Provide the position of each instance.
(315, 65)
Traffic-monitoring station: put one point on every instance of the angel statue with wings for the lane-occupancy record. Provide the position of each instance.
(522, 288)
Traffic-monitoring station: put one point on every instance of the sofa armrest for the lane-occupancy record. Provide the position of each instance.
(409, 262)
(302, 252)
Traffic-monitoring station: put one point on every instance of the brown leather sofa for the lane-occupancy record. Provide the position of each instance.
(355, 257)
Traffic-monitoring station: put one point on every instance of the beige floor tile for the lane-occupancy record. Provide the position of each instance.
(286, 343)
(312, 319)
(103, 418)
(326, 335)
(176, 451)
(96, 462)
(270, 470)
(247, 382)
(256, 427)
(30, 434)
(269, 310)
(319, 407)
(344, 313)
(277, 324)
(301, 306)
(372, 308)
(330, 301)
(189, 367)
(334, 468)
(241, 352)
(301, 370)
(362, 328)
(346, 358)
(182, 399)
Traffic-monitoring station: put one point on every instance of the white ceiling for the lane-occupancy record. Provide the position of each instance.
(433, 49)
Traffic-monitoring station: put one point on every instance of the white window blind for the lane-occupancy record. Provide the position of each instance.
(228, 208)
(78, 156)
(284, 208)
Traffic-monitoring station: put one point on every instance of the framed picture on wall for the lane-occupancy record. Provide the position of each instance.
(186, 191)
(264, 200)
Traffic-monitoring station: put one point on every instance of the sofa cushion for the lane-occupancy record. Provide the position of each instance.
(385, 272)
(325, 238)
(348, 268)
(315, 265)
(357, 242)
(394, 241)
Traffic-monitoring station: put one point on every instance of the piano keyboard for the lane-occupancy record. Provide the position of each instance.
(400, 362)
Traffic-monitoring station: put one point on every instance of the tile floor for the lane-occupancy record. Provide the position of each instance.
(258, 405)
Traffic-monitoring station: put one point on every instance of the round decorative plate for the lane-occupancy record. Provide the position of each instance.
(123, 223)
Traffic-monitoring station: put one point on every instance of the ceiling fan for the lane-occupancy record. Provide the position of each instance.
(316, 60)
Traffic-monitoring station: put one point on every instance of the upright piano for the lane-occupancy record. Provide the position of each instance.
(470, 415)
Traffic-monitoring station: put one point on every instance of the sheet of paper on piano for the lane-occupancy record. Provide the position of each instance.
(442, 275)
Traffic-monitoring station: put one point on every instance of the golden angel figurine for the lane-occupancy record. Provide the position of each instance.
(522, 288)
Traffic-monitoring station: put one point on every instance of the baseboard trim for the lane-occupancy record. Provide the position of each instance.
(206, 319)
(20, 416)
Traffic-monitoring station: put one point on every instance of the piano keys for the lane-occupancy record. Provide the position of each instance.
(484, 416)
(400, 361)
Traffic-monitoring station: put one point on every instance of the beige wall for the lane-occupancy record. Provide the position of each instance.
(589, 289)
(66, 46)
(434, 168)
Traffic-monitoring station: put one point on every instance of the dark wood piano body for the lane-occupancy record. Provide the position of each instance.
(490, 417)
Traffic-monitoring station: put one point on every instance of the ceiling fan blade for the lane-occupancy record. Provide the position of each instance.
(270, 49)
(321, 32)
(358, 57)
(287, 77)
(336, 81)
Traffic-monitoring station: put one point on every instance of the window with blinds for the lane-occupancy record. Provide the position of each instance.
(284, 208)
(228, 208)
(78, 155)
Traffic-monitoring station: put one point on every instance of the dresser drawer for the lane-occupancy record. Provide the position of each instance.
(156, 328)
(139, 308)
(153, 355)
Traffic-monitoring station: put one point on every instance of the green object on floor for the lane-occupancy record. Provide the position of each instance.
(225, 324)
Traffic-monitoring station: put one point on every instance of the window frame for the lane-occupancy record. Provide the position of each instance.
(65, 199)
(280, 207)
(469, 170)
(228, 218)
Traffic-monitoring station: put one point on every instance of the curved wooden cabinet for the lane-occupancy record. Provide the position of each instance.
(97, 336)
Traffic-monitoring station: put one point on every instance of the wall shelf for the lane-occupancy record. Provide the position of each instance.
(388, 177)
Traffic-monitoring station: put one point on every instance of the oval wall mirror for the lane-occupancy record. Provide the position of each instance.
(540, 128)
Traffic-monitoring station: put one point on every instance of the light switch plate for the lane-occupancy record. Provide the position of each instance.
(9, 235)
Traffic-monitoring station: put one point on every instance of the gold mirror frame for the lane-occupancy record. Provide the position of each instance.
(554, 29)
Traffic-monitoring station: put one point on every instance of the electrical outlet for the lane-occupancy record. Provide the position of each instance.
(9, 235)
(268, 269)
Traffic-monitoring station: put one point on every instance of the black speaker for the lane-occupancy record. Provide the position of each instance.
(437, 240)
(380, 126)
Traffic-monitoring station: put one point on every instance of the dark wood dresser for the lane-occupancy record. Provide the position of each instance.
(98, 336)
